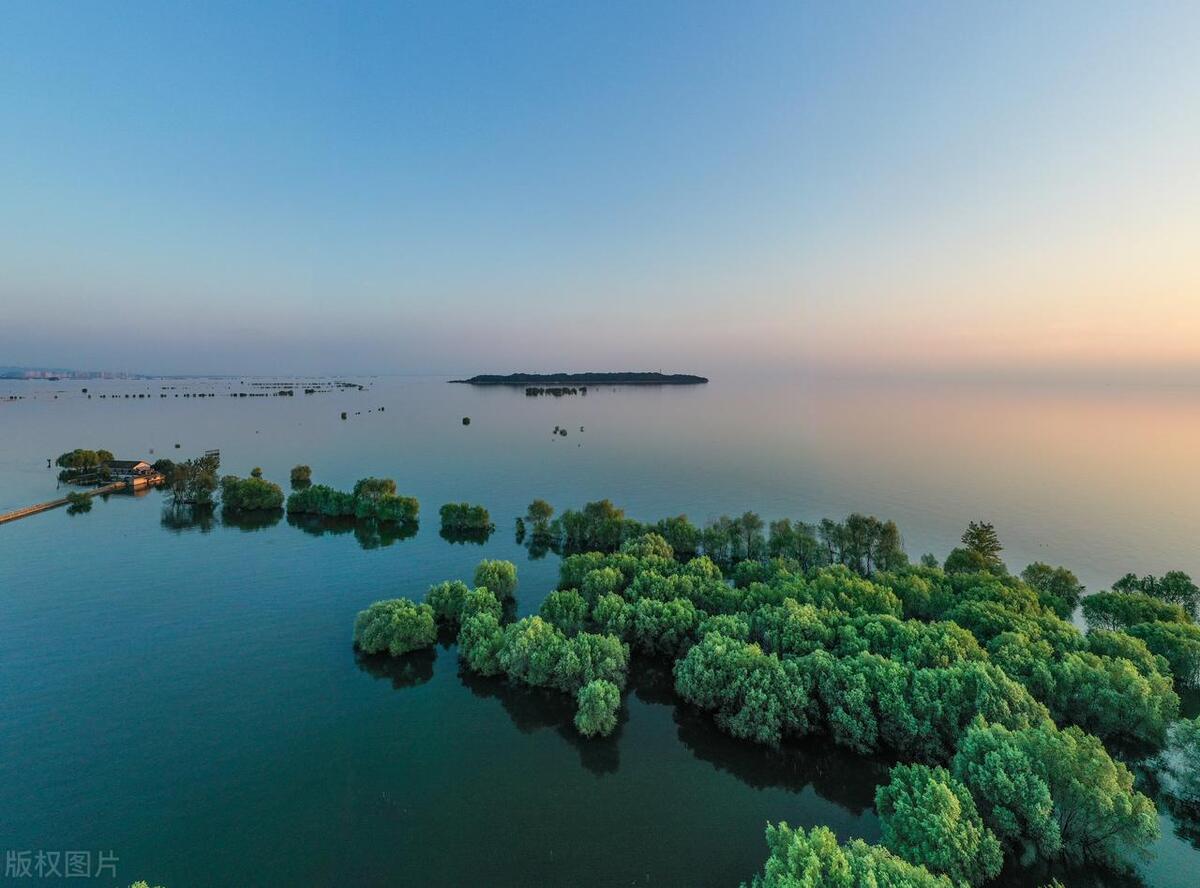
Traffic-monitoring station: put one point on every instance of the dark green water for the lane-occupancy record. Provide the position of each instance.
(187, 696)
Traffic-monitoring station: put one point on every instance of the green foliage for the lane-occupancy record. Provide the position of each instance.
(1180, 764)
(981, 539)
(1058, 588)
(814, 859)
(250, 494)
(194, 481)
(498, 576)
(648, 545)
(1178, 644)
(598, 527)
(1119, 610)
(464, 516)
(862, 543)
(447, 599)
(396, 626)
(602, 581)
(753, 695)
(796, 542)
(967, 561)
(536, 653)
(480, 641)
(837, 588)
(665, 628)
(375, 499)
(79, 462)
(321, 500)
(1099, 815)
(539, 512)
(1108, 696)
(735, 627)
(566, 609)
(1007, 785)
(726, 540)
(613, 616)
(929, 818)
(481, 601)
(301, 476)
(680, 534)
(599, 701)
(1173, 587)
(78, 502)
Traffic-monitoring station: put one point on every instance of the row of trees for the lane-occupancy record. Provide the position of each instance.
(372, 499)
(80, 463)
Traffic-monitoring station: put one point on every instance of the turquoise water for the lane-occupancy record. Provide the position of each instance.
(187, 696)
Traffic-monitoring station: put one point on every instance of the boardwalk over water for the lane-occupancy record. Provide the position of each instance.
(54, 504)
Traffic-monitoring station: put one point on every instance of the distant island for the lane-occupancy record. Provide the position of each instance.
(543, 379)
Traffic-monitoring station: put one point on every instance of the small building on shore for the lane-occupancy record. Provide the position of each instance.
(128, 469)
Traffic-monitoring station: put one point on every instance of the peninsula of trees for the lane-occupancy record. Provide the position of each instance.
(1009, 725)
(577, 379)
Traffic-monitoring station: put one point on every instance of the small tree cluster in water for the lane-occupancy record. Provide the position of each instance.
(998, 707)
(80, 464)
(251, 494)
(373, 499)
(463, 522)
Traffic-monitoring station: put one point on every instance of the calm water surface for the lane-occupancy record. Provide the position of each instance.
(186, 694)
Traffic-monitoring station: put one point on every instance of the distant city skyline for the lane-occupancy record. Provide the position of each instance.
(963, 190)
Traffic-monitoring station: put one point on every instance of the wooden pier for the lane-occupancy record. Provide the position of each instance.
(135, 484)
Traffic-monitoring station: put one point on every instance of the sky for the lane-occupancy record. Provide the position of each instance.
(900, 188)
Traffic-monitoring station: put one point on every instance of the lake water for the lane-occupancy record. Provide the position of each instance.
(187, 696)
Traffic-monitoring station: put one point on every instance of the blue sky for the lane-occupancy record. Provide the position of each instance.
(467, 187)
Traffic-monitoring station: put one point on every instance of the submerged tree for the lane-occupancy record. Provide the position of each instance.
(598, 704)
(498, 576)
(929, 818)
(815, 859)
(396, 626)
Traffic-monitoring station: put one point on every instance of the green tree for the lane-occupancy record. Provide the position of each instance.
(480, 641)
(566, 609)
(447, 599)
(981, 538)
(613, 616)
(1058, 588)
(1178, 644)
(253, 494)
(396, 626)
(465, 517)
(78, 502)
(599, 701)
(498, 576)
(1180, 763)
(814, 859)
(681, 535)
(1119, 610)
(301, 476)
(648, 545)
(480, 601)
(929, 818)
(1012, 795)
(532, 651)
(539, 512)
